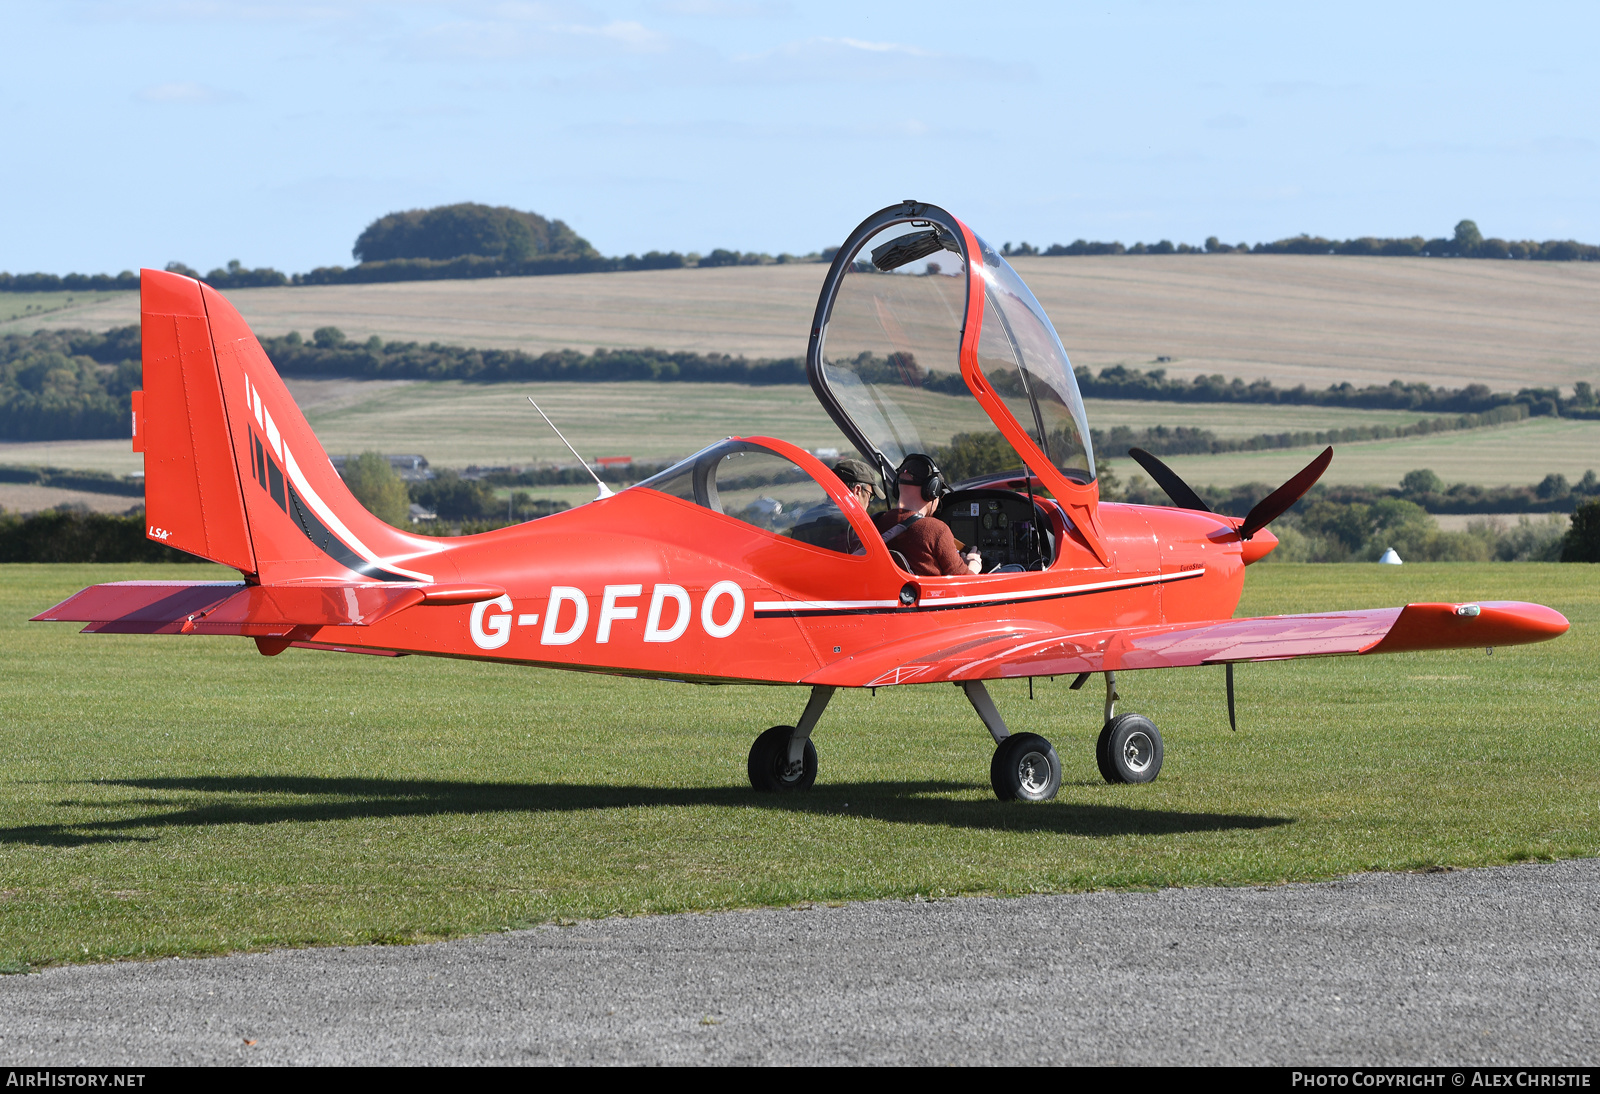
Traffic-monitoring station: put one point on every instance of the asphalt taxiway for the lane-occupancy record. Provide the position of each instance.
(1483, 966)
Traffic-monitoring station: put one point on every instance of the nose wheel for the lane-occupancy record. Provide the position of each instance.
(783, 758)
(1129, 750)
(1025, 768)
(770, 766)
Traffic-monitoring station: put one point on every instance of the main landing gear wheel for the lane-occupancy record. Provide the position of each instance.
(1129, 750)
(769, 762)
(1025, 768)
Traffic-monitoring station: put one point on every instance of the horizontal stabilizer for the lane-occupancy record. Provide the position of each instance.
(1000, 651)
(224, 607)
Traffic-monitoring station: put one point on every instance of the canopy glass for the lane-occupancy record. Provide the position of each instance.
(889, 364)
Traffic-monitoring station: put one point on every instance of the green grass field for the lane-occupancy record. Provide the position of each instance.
(455, 424)
(1507, 455)
(186, 796)
(17, 309)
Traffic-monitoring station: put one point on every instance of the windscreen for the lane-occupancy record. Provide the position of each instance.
(891, 353)
(1022, 357)
(758, 486)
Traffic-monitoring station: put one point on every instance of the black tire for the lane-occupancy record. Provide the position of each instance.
(769, 762)
(1025, 768)
(1129, 750)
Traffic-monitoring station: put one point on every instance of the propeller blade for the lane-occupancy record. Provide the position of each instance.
(1175, 488)
(1233, 722)
(1275, 504)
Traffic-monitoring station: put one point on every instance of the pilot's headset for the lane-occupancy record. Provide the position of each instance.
(918, 469)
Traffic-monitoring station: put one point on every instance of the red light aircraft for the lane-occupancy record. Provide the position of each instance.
(750, 561)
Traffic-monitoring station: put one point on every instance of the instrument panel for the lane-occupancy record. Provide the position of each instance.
(1008, 529)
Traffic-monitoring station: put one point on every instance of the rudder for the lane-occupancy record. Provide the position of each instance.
(289, 514)
(193, 494)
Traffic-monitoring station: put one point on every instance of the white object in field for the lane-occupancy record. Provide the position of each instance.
(1391, 557)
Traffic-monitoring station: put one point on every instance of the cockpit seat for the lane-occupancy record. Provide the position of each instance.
(1010, 530)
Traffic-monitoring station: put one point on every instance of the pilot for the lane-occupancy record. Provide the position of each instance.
(837, 534)
(928, 546)
(861, 479)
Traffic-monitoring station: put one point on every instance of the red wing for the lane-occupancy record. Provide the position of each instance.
(999, 651)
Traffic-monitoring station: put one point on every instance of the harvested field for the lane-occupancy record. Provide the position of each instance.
(21, 312)
(1292, 319)
(455, 424)
(23, 497)
(117, 457)
(1460, 522)
(1320, 320)
(1508, 455)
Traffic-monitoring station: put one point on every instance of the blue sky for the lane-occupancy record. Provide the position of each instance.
(141, 131)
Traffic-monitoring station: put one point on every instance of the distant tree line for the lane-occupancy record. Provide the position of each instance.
(448, 242)
(93, 482)
(1552, 494)
(1189, 440)
(464, 267)
(125, 281)
(1121, 382)
(1466, 242)
(1324, 527)
(329, 353)
(457, 505)
(67, 535)
(1359, 523)
(470, 240)
(1340, 523)
(232, 276)
(57, 385)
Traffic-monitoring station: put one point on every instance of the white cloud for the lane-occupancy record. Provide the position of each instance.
(785, 132)
(189, 10)
(723, 9)
(526, 34)
(853, 60)
(184, 92)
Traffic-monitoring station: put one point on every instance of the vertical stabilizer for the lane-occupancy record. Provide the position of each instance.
(233, 471)
(304, 522)
(192, 489)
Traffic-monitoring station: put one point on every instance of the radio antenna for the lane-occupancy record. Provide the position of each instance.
(605, 491)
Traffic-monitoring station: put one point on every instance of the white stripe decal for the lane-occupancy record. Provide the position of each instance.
(272, 436)
(336, 525)
(974, 599)
(821, 605)
(183, 584)
(1024, 594)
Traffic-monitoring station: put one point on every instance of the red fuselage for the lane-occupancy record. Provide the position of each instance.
(636, 571)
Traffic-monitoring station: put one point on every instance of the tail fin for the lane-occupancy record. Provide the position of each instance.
(233, 472)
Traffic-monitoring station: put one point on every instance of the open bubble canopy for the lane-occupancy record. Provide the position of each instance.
(926, 340)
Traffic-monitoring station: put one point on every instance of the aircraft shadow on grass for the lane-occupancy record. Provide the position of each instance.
(333, 799)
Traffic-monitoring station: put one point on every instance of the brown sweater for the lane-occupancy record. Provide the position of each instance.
(928, 544)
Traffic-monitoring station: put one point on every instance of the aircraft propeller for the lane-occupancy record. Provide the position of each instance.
(1265, 511)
